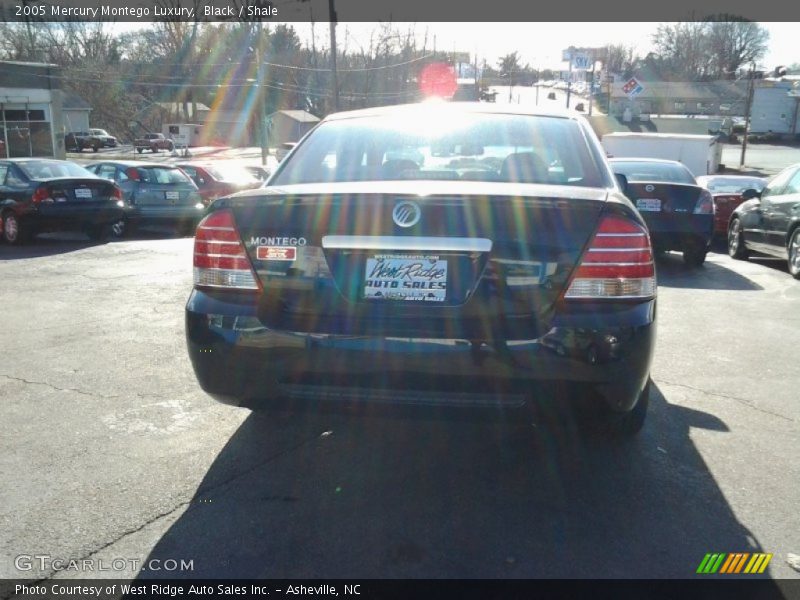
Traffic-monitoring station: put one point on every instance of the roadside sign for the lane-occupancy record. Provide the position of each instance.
(632, 88)
(582, 60)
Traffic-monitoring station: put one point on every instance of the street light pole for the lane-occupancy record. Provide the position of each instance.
(748, 107)
(334, 73)
(261, 102)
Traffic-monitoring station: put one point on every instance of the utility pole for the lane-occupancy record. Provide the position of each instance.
(591, 87)
(262, 100)
(748, 107)
(334, 73)
(569, 81)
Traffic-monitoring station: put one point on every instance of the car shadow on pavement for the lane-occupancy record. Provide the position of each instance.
(672, 272)
(331, 495)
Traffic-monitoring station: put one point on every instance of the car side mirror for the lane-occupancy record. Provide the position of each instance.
(622, 181)
(751, 193)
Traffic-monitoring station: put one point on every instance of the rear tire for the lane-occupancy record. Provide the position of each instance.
(694, 256)
(140, 150)
(794, 254)
(625, 425)
(16, 231)
(119, 229)
(736, 247)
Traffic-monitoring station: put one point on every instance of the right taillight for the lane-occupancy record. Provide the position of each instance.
(220, 259)
(617, 264)
(705, 205)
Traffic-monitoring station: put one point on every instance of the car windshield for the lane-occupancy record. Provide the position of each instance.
(163, 175)
(637, 171)
(48, 169)
(447, 145)
(733, 185)
(231, 173)
(99, 132)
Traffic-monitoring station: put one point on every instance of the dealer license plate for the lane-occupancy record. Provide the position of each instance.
(407, 277)
(83, 193)
(649, 204)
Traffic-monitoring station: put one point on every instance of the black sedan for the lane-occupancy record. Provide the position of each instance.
(501, 265)
(678, 212)
(39, 195)
(768, 222)
(154, 194)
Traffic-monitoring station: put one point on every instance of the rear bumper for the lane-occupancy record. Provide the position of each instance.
(240, 361)
(676, 232)
(183, 214)
(72, 218)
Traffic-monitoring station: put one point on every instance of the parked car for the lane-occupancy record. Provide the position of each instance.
(155, 142)
(153, 194)
(678, 212)
(214, 180)
(40, 195)
(78, 141)
(109, 141)
(726, 190)
(350, 278)
(768, 222)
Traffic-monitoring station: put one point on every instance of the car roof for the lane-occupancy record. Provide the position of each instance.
(645, 160)
(451, 107)
(33, 158)
(136, 163)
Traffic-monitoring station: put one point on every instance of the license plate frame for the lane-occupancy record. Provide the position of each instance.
(405, 277)
(83, 193)
(648, 204)
(172, 195)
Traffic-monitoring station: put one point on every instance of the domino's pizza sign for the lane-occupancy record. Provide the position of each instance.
(632, 88)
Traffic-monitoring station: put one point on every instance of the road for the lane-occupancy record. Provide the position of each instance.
(110, 450)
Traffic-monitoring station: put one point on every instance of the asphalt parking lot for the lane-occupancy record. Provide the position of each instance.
(111, 450)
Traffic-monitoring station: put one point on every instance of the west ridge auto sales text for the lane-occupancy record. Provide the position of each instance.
(158, 589)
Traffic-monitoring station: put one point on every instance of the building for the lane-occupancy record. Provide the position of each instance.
(288, 126)
(76, 112)
(725, 98)
(31, 117)
(775, 107)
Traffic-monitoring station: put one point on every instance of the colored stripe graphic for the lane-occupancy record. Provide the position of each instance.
(734, 563)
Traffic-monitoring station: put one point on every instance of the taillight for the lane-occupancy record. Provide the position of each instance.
(617, 264)
(220, 259)
(116, 193)
(41, 194)
(705, 205)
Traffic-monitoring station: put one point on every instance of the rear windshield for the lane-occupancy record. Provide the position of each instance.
(442, 145)
(733, 185)
(163, 175)
(637, 171)
(231, 173)
(48, 169)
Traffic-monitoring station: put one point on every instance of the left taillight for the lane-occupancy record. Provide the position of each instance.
(116, 193)
(705, 204)
(618, 264)
(41, 194)
(220, 258)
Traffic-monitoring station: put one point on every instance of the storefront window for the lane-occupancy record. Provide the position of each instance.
(25, 132)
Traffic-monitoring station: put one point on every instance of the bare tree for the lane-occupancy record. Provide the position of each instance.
(734, 43)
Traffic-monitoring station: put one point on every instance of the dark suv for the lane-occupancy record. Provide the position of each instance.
(78, 141)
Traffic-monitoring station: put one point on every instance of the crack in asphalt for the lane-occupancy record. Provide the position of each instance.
(181, 505)
(50, 385)
(734, 398)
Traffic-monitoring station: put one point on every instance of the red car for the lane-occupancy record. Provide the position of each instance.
(215, 180)
(727, 193)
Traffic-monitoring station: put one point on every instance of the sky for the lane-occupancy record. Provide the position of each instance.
(539, 44)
